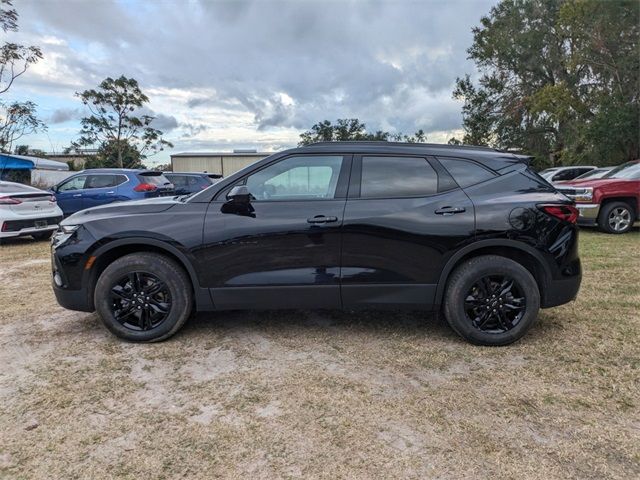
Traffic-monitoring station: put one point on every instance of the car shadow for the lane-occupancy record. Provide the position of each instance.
(382, 322)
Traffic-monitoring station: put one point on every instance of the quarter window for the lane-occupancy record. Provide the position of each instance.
(465, 173)
(297, 178)
(386, 177)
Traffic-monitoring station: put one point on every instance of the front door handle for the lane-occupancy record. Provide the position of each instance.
(322, 219)
(77, 195)
(449, 210)
(111, 193)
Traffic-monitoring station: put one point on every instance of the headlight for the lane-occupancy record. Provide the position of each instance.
(583, 195)
(63, 234)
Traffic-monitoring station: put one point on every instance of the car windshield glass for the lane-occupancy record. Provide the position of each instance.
(597, 173)
(628, 171)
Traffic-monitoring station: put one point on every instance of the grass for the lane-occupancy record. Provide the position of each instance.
(322, 394)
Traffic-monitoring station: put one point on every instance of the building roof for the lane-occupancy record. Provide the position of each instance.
(222, 154)
(24, 162)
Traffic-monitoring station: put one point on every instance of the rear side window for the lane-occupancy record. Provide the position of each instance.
(101, 181)
(388, 177)
(464, 172)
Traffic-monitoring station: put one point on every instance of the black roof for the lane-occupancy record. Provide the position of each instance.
(490, 157)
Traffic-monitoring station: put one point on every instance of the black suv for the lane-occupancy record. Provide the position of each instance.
(469, 231)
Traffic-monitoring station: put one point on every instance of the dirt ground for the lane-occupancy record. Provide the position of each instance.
(322, 394)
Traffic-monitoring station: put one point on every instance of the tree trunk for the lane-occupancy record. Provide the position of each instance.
(120, 158)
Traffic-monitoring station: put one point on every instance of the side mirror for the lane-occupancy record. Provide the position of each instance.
(240, 195)
(239, 202)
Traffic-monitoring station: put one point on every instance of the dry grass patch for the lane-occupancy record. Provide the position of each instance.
(322, 394)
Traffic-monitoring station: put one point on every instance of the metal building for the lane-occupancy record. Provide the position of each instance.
(222, 163)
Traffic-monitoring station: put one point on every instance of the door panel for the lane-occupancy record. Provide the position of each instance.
(273, 258)
(283, 250)
(402, 243)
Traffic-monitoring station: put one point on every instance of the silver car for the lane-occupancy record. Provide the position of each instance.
(26, 210)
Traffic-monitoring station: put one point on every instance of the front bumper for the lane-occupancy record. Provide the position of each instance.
(73, 299)
(588, 213)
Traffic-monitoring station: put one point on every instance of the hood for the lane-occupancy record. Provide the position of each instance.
(591, 182)
(119, 209)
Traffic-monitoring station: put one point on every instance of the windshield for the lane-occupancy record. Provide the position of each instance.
(597, 173)
(626, 171)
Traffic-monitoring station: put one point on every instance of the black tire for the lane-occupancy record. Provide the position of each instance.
(42, 235)
(616, 217)
(176, 295)
(465, 282)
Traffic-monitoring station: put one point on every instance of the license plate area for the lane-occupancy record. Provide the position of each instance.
(40, 223)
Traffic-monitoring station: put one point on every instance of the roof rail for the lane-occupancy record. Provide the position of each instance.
(407, 144)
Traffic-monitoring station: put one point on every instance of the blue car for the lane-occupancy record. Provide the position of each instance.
(187, 182)
(91, 188)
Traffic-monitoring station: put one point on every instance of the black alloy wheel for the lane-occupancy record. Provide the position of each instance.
(491, 300)
(141, 301)
(144, 297)
(495, 304)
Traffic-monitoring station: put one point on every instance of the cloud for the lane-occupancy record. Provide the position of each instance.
(247, 68)
(62, 115)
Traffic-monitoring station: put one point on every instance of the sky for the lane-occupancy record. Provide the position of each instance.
(250, 74)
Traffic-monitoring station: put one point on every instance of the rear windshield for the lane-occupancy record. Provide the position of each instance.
(188, 180)
(154, 178)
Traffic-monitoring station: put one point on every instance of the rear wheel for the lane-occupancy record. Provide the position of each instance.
(143, 297)
(491, 300)
(616, 217)
(42, 235)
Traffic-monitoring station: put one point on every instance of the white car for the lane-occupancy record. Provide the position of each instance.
(559, 174)
(27, 210)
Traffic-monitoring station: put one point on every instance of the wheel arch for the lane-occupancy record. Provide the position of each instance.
(632, 201)
(106, 254)
(523, 254)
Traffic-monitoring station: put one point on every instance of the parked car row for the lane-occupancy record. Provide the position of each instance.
(28, 211)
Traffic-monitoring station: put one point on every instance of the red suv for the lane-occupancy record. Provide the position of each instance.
(611, 202)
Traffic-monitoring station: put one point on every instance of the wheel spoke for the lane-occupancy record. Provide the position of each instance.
(155, 287)
(159, 307)
(119, 292)
(125, 313)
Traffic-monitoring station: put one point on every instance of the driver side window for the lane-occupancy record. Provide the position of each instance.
(76, 183)
(297, 178)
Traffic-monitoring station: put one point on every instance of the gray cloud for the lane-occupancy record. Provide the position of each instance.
(62, 115)
(290, 64)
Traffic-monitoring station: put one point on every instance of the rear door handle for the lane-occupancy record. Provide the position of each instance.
(111, 193)
(322, 219)
(78, 195)
(449, 210)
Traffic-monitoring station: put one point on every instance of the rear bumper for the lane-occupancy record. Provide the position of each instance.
(562, 291)
(27, 231)
(588, 213)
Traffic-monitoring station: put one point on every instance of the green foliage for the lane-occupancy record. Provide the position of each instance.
(17, 119)
(352, 129)
(108, 156)
(114, 126)
(559, 79)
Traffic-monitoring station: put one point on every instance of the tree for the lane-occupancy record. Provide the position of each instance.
(109, 155)
(352, 129)
(16, 118)
(559, 79)
(114, 126)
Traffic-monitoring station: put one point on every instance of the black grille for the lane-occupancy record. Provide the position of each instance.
(17, 225)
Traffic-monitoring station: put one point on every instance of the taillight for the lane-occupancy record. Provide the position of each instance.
(568, 213)
(145, 187)
(52, 199)
(9, 201)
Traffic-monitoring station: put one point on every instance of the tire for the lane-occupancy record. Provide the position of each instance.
(115, 299)
(616, 217)
(465, 301)
(42, 236)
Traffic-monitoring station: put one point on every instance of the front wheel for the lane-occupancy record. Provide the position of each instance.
(491, 300)
(143, 297)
